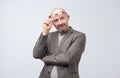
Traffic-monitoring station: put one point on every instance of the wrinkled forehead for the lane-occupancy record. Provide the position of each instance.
(57, 12)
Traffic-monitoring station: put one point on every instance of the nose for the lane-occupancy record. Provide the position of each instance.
(59, 22)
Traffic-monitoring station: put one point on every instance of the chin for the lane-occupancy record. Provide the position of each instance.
(62, 31)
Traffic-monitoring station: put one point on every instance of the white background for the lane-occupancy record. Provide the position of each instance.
(20, 26)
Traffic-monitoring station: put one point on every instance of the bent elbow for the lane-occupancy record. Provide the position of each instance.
(36, 54)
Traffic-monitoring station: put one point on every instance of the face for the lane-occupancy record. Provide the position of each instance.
(60, 21)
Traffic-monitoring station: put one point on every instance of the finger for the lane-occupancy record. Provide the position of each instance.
(50, 17)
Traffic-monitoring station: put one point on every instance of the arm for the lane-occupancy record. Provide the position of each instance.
(40, 48)
(75, 51)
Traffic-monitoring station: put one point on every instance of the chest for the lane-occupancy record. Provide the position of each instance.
(59, 44)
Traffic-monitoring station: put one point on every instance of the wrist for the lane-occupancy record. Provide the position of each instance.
(44, 33)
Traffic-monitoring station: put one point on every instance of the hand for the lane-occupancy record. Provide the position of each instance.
(47, 25)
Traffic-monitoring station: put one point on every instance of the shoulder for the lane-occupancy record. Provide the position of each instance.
(78, 34)
(52, 34)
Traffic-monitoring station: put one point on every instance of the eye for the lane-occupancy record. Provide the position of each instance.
(62, 18)
(55, 20)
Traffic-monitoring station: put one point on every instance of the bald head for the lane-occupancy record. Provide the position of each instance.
(57, 12)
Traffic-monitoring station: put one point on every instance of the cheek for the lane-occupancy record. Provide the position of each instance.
(65, 21)
(55, 26)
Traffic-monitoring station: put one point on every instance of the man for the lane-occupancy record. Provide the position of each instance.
(61, 50)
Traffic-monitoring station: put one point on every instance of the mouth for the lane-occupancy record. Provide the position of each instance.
(61, 27)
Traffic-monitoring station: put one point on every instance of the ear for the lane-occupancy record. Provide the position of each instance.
(68, 17)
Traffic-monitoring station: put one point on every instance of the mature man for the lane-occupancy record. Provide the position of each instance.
(61, 50)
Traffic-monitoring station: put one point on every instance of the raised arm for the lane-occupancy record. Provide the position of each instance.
(40, 47)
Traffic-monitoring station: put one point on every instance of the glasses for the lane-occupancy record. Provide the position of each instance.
(61, 17)
(58, 14)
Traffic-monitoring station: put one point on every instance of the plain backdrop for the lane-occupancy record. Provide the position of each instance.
(20, 27)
